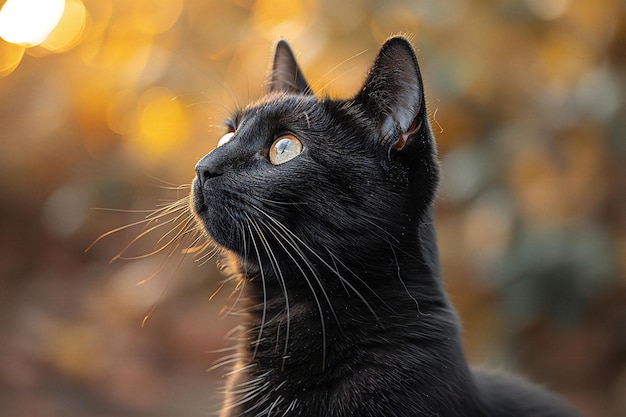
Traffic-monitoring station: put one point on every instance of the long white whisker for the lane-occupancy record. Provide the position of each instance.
(347, 283)
(402, 281)
(258, 254)
(345, 61)
(281, 281)
(278, 237)
(180, 235)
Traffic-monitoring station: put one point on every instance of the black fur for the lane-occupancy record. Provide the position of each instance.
(346, 315)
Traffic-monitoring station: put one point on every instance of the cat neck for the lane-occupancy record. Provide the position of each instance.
(312, 344)
(402, 280)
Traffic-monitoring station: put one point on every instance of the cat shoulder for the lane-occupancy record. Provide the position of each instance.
(505, 395)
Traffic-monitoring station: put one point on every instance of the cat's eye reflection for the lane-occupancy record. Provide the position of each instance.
(284, 149)
(225, 139)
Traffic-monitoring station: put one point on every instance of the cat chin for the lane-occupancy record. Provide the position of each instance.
(197, 198)
(204, 216)
(218, 229)
(215, 234)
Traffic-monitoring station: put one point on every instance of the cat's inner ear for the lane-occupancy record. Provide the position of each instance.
(393, 93)
(286, 75)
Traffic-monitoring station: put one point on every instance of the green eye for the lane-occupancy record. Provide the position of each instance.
(284, 149)
(225, 139)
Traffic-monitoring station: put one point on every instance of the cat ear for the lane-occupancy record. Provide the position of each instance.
(393, 92)
(286, 74)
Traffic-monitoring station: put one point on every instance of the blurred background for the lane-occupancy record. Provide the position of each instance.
(108, 104)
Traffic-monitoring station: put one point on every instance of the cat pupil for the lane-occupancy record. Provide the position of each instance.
(282, 145)
(284, 149)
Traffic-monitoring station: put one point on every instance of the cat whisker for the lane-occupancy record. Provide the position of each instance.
(194, 248)
(240, 369)
(206, 257)
(180, 234)
(117, 229)
(333, 69)
(281, 281)
(263, 318)
(181, 230)
(335, 270)
(168, 208)
(239, 289)
(434, 120)
(347, 283)
(419, 312)
(278, 203)
(280, 237)
(249, 397)
(380, 228)
(234, 334)
(231, 350)
(120, 254)
(156, 304)
(165, 261)
(332, 81)
(152, 216)
(170, 185)
(174, 215)
(150, 277)
(185, 229)
(116, 210)
(308, 122)
(258, 390)
(272, 406)
(223, 361)
(241, 283)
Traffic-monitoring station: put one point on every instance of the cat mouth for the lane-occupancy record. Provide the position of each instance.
(208, 216)
(198, 204)
(204, 215)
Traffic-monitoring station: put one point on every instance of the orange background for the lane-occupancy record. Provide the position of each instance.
(527, 103)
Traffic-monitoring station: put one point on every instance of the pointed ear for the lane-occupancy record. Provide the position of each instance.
(286, 75)
(393, 93)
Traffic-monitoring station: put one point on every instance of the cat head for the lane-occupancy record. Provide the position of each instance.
(340, 178)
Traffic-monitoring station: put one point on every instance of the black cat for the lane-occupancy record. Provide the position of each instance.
(327, 208)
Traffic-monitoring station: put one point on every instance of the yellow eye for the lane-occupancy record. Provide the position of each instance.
(225, 139)
(284, 149)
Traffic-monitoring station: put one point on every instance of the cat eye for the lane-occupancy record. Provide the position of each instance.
(284, 149)
(225, 139)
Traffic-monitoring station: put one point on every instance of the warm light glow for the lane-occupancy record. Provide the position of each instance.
(287, 17)
(29, 22)
(548, 9)
(151, 19)
(121, 111)
(161, 122)
(10, 57)
(70, 28)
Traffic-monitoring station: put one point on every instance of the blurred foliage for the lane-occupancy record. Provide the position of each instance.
(527, 103)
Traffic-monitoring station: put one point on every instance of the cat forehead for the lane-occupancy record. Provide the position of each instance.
(282, 105)
(307, 111)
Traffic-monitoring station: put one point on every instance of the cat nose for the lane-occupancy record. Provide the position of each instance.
(208, 168)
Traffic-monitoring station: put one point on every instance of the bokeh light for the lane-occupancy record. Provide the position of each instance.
(548, 9)
(29, 22)
(152, 19)
(10, 57)
(161, 123)
(38, 28)
(70, 28)
(287, 17)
